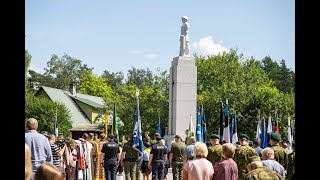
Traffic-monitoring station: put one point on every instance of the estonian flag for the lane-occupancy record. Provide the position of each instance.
(226, 130)
(221, 123)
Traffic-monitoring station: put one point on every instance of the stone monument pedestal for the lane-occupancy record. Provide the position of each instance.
(182, 97)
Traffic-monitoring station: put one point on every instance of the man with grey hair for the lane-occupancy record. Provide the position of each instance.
(188, 151)
(256, 170)
(270, 162)
(39, 145)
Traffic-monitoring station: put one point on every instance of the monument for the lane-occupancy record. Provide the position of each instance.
(183, 88)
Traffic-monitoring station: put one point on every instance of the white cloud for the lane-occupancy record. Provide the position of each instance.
(151, 56)
(207, 46)
(145, 54)
(136, 52)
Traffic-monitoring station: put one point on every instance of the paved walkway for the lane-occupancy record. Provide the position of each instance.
(169, 175)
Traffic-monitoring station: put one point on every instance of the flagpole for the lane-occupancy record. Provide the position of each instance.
(56, 122)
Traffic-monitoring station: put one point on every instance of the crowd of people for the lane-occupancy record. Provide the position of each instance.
(98, 158)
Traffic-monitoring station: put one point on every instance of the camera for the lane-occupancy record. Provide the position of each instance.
(62, 142)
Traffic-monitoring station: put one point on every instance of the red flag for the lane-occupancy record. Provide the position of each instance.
(276, 127)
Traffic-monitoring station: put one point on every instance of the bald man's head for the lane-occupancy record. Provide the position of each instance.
(32, 124)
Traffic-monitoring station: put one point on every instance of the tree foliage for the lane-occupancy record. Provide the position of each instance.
(249, 84)
(94, 85)
(27, 58)
(283, 77)
(154, 95)
(60, 71)
(44, 110)
(246, 86)
(115, 80)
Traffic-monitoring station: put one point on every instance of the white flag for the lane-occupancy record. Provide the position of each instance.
(269, 130)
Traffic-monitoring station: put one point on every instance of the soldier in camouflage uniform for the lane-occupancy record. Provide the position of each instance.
(176, 157)
(291, 162)
(257, 171)
(147, 138)
(215, 149)
(130, 161)
(279, 153)
(243, 154)
(153, 142)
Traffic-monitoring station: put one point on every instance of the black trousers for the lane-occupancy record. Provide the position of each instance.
(157, 170)
(110, 169)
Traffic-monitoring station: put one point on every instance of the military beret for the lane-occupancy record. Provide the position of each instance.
(177, 136)
(214, 136)
(275, 136)
(253, 158)
(110, 136)
(158, 138)
(156, 134)
(244, 136)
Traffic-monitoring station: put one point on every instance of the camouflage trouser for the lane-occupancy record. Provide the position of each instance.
(130, 170)
(138, 170)
(177, 168)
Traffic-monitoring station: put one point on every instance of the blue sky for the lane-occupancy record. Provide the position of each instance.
(118, 35)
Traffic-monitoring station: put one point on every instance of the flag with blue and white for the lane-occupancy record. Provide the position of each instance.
(137, 133)
(55, 128)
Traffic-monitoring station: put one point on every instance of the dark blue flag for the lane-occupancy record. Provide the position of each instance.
(137, 133)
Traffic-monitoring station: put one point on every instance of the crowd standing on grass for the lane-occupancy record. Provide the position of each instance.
(100, 157)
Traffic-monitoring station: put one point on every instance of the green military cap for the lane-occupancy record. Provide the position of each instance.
(214, 136)
(244, 136)
(275, 136)
(253, 158)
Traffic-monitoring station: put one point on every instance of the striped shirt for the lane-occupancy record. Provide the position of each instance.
(56, 159)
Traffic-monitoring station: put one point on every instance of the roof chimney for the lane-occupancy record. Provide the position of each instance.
(72, 89)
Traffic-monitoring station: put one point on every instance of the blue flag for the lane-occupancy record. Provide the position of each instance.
(55, 126)
(204, 125)
(263, 135)
(198, 128)
(158, 125)
(137, 133)
(234, 130)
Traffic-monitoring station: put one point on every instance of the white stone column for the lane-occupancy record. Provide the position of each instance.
(182, 96)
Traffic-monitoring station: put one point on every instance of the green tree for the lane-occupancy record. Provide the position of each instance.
(44, 110)
(113, 79)
(140, 77)
(282, 76)
(27, 58)
(245, 84)
(60, 71)
(154, 95)
(94, 85)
